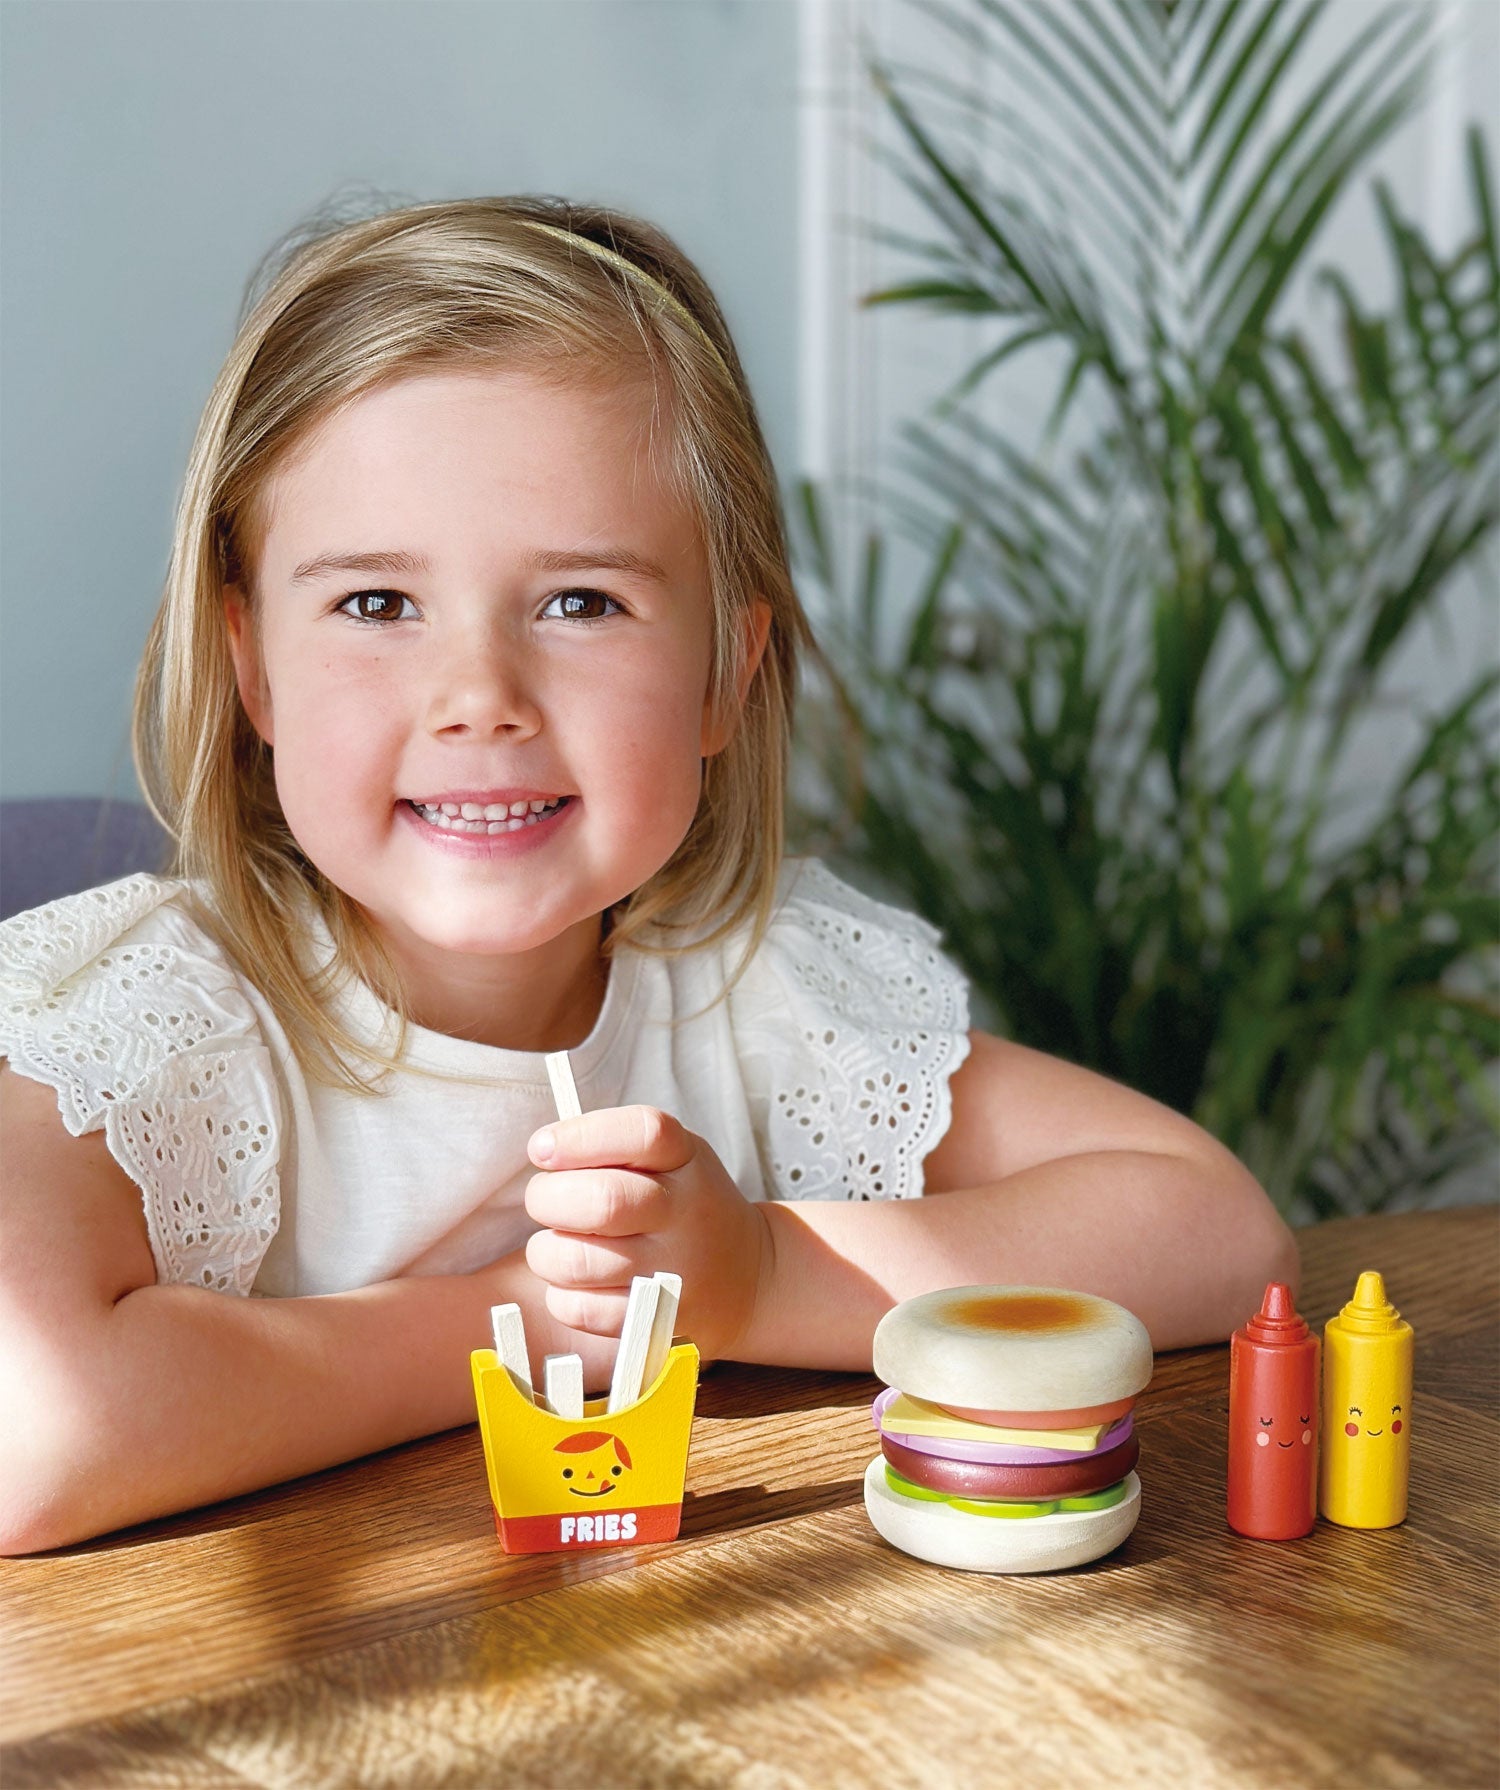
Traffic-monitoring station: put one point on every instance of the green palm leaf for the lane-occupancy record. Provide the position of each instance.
(1129, 688)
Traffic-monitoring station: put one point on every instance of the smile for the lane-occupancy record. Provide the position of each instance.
(599, 1494)
(497, 818)
(480, 837)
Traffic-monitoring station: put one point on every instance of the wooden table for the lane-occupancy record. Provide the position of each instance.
(362, 1628)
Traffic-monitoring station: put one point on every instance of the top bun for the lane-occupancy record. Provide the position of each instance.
(1014, 1348)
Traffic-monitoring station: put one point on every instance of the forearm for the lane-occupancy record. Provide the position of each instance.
(1187, 1248)
(179, 1396)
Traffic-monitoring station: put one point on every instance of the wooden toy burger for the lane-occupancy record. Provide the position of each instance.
(1006, 1436)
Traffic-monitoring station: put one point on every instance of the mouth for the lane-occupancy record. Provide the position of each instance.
(599, 1494)
(1374, 1432)
(1284, 1445)
(474, 821)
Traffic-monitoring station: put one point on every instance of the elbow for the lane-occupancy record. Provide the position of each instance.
(1261, 1248)
(33, 1520)
(1237, 1244)
(48, 1485)
(1286, 1257)
(38, 1502)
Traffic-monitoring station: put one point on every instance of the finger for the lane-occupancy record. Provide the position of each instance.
(607, 1202)
(597, 1312)
(638, 1137)
(564, 1259)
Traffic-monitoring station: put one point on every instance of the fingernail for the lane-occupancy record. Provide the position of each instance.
(541, 1146)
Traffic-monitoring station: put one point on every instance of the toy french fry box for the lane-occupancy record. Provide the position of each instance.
(607, 1479)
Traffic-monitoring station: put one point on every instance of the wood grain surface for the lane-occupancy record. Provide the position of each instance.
(361, 1627)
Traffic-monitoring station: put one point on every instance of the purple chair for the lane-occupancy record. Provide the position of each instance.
(57, 845)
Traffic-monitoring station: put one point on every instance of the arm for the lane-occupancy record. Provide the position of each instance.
(1049, 1176)
(122, 1400)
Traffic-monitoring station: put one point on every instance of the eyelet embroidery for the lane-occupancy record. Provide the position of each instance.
(157, 1047)
(884, 1018)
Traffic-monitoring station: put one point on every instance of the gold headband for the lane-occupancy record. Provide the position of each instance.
(649, 281)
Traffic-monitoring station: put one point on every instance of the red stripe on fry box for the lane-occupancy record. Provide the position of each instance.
(553, 1533)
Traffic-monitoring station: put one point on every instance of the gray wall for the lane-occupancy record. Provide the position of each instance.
(153, 149)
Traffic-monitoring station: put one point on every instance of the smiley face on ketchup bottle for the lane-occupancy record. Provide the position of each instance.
(1273, 1422)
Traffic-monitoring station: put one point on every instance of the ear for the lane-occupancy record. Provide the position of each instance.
(248, 674)
(718, 731)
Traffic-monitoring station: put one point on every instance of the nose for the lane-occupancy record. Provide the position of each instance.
(482, 684)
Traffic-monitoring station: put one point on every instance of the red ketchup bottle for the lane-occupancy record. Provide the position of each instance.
(1273, 1422)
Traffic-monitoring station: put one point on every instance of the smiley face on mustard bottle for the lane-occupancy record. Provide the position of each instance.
(1366, 1441)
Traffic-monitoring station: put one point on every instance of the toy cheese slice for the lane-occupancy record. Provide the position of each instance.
(605, 1480)
(917, 1417)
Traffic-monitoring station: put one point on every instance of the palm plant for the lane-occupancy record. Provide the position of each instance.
(1118, 743)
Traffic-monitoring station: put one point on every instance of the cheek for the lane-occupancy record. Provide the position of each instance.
(640, 739)
(336, 730)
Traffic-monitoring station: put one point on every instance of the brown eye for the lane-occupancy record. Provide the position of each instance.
(390, 599)
(575, 602)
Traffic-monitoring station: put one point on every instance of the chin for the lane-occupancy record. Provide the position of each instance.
(471, 929)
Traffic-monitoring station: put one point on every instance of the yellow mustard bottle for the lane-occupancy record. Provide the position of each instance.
(1366, 1442)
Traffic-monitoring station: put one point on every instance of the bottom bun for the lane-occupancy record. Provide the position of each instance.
(950, 1537)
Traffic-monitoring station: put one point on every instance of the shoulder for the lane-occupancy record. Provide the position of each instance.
(100, 989)
(125, 1006)
(832, 944)
(45, 946)
(828, 936)
(849, 1022)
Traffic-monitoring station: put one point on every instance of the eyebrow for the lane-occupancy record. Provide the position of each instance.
(543, 559)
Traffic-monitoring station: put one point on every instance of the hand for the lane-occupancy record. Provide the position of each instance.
(629, 1190)
(509, 1280)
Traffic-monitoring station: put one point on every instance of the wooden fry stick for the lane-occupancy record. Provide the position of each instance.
(635, 1339)
(564, 1089)
(510, 1344)
(563, 1377)
(661, 1328)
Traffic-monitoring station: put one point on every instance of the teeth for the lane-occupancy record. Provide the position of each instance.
(470, 817)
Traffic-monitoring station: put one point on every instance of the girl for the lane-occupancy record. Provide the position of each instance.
(468, 706)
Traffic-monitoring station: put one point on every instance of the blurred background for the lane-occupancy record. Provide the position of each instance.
(1131, 373)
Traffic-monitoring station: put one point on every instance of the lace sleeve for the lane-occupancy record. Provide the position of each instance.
(124, 1007)
(849, 1028)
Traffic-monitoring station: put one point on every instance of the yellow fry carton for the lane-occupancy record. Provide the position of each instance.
(597, 1481)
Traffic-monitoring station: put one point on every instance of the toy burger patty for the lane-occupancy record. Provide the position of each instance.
(1008, 1403)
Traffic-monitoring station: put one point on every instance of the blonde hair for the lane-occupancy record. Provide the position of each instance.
(346, 307)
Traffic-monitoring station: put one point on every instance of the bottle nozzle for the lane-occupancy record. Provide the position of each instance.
(1369, 1309)
(1277, 1320)
(1277, 1307)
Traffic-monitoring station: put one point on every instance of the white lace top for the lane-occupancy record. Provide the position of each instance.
(823, 1076)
